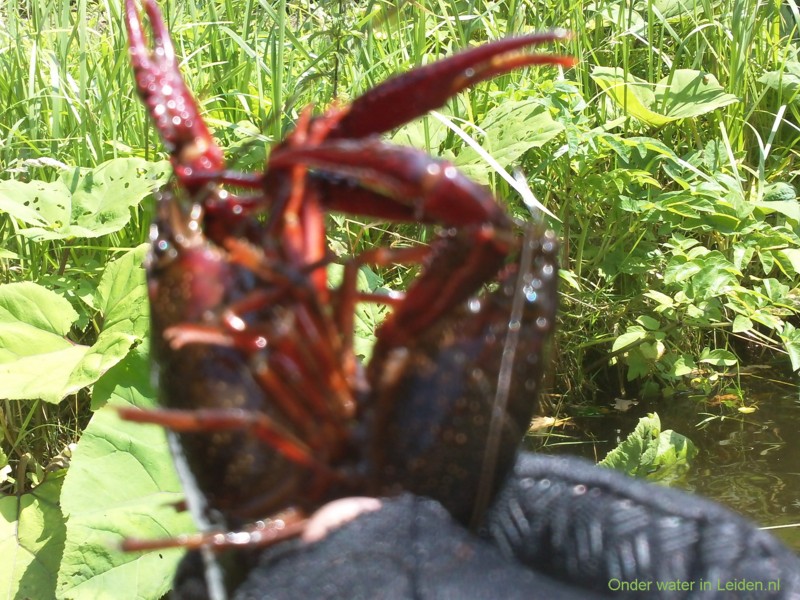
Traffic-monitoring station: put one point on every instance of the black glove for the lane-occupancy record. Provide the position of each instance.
(560, 528)
(599, 530)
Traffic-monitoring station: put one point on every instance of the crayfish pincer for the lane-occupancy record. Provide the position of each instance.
(270, 413)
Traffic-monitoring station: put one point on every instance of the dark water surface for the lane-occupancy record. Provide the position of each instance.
(748, 462)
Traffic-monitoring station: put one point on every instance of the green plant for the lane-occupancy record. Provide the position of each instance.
(650, 453)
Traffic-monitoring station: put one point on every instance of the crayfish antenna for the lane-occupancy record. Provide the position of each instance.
(525, 314)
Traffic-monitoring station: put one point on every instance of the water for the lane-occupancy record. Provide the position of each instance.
(748, 462)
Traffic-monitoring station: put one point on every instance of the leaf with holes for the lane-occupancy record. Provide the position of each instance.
(82, 202)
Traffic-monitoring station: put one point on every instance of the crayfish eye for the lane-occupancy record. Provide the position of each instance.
(163, 252)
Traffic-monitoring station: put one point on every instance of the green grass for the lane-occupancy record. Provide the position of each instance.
(680, 241)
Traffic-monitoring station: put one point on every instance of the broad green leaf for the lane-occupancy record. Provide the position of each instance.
(716, 274)
(426, 133)
(79, 290)
(652, 351)
(128, 381)
(37, 306)
(683, 365)
(635, 96)
(616, 15)
(643, 145)
(18, 340)
(786, 80)
(691, 93)
(32, 540)
(767, 260)
(788, 208)
(718, 358)
(638, 364)
(29, 349)
(663, 300)
(686, 93)
(781, 191)
(691, 208)
(672, 9)
(628, 456)
(649, 323)
(652, 453)
(679, 270)
(122, 294)
(82, 202)
(742, 256)
(791, 342)
(714, 155)
(617, 143)
(121, 484)
(36, 203)
(22, 379)
(631, 336)
(775, 290)
(744, 300)
(34, 321)
(512, 128)
(741, 324)
(788, 260)
(768, 320)
(110, 348)
(672, 457)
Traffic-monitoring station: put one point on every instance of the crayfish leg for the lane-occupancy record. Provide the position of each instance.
(211, 420)
(348, 296)
(287, 524)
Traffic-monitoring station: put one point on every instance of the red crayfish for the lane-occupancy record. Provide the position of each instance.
(271, 413)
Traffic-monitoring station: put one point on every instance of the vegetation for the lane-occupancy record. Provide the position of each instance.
(650, 453)
(667, 155)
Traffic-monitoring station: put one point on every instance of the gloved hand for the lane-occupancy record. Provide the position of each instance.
(560, 528)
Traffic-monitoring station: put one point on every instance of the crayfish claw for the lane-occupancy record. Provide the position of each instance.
(405, 97)
(168, 100)
(164, 50)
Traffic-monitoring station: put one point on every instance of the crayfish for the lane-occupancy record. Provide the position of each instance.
(271, 415)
